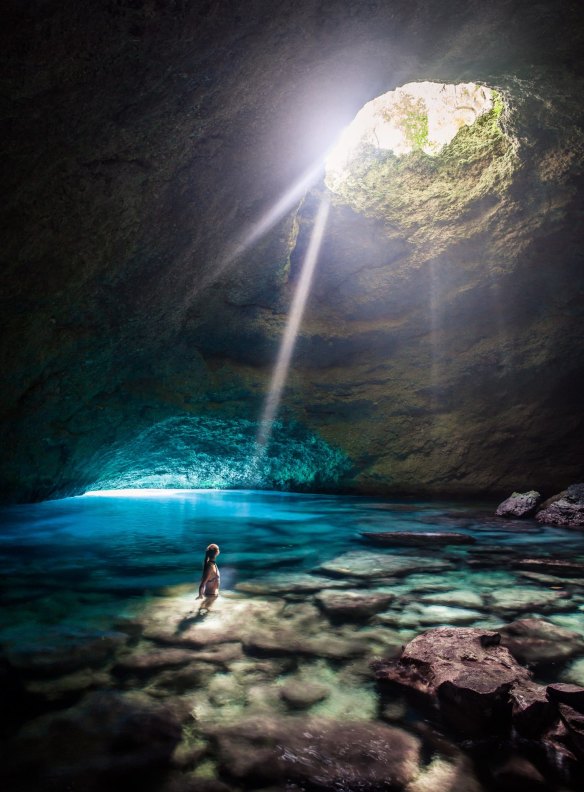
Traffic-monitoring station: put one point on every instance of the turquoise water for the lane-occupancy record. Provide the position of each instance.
(81, 566)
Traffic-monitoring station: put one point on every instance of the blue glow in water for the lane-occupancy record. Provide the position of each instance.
(86, 560)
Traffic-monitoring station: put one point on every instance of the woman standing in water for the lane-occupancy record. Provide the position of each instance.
(209, 586)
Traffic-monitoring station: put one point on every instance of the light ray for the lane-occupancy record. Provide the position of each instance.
(280, 374)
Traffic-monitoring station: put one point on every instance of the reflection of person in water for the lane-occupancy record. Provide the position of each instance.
(209, 586)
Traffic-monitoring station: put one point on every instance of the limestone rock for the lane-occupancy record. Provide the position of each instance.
(284, 642)
(326, 754)
(566, 510)
(294, 583)
(519, 504)
(522, 599)
(364, 564)
(147, 662)
(464, 671)
(539, 642)
(299, 694)
(352, 605)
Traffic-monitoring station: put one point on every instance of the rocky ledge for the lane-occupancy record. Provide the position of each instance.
(479, 690)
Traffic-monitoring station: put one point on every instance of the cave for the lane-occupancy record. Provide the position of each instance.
(285, 277)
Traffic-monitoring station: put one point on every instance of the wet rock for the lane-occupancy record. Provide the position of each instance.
(364, 564)
(150, 661)
(184, 679)
(539, 642)
(462, 598)
(283, 642)
(417, 538)
(353, 605)
(465, 672)
(525, 598)
(102, 740)
(444, 615)
(288, 584)
(66, 653)
(531, 711)
(325, 754)
(552, 580)
(564, 693)
(565, 509)
(518, 774)
(519, 504)
(72, 684)
(299, 694)
(574, 723)
(556, 566)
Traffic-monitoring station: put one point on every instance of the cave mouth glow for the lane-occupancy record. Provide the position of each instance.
(418, 116)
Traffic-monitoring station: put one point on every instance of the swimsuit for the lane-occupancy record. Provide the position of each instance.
(212, 584)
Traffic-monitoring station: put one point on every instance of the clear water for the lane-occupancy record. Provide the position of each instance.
(81, 564)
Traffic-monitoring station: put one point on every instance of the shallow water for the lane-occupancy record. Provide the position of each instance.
(86, 568)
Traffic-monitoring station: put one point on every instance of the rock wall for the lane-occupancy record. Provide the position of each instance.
(143, 145)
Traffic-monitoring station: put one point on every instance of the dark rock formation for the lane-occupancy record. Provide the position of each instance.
(565, 509)
(145, 290)
(561, 567)
(519, 504)
(480, 691)
(359, 755)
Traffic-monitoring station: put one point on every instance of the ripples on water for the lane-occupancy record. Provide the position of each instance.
(87, 568)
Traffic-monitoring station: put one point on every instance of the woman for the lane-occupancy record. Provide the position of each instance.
(209, 586)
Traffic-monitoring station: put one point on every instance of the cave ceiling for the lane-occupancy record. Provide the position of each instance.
(144, 294)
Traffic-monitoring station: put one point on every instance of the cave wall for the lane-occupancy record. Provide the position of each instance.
(143, 142)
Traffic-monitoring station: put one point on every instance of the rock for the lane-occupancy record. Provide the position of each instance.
(445, 776)
(444, 615)
(573, 695)
(73, 684)
(567, 509)
(185, 678)
(557, 566)
(518, 774)
(463, 671)
(353, 605)
(288, 584)
(364, 564)
(526, 598)
(538, 642)
(531, 711)
(519, 504)
(94, 745)
(417, 538)
(66, 653)
(285, 642)
(463, 598)
(299, 694)
(574, 723)
(148, 662)
(323, 754)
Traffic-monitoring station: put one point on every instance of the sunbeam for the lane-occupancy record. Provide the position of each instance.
(280, 373)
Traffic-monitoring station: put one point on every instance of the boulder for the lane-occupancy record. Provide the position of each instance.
(574, 723)
(464, 672)
(321, 753)
(299, 694)
(417, 538)
(522, 599)
(566, 509)
(364, 564)
(564, 693)
(537, 642)
(150, 661)
(284, 642)
(519, 504)
(353, 605)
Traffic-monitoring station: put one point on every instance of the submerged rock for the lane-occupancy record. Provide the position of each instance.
(519, 504)
(299, 694)
(353, 605)
(565, 509)
(539, 642)
(325, 754)
(417, 538)
(525, 598)
(364, 564)
(557, 566)
(285, 642)
(294, 583)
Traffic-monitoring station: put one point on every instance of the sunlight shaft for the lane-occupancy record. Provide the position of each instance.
(280, 374)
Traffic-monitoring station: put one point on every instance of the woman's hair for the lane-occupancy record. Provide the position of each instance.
(210, 553)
